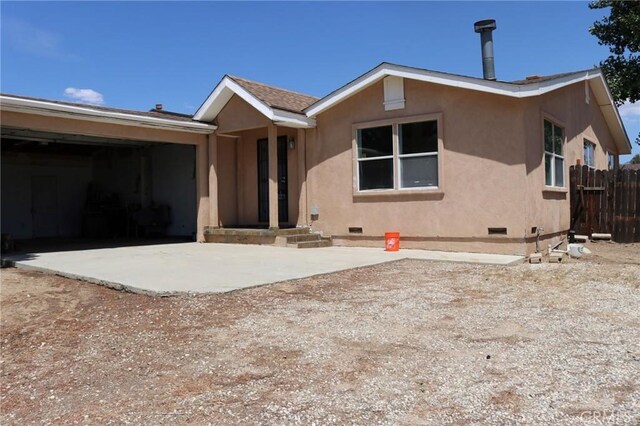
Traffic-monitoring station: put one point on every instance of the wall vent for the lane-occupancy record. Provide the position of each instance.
(497, 231)
(355, 230)
(393, 93)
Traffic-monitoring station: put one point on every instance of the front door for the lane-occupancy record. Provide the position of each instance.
(44, 206)
(263, 181)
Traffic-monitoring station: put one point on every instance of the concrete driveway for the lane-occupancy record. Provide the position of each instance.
(214, 268)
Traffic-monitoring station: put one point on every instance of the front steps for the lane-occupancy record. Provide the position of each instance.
(292, 237)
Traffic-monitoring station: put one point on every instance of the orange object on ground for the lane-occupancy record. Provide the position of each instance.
(391, 241)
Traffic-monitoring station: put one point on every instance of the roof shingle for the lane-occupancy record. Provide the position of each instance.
(276, 97)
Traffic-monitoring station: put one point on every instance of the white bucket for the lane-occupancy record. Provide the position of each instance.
(575, 250)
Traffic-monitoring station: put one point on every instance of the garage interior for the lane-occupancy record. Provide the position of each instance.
(67, 187)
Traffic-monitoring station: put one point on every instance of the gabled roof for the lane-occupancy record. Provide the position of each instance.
(152, 118)
(281, 106)
(276, 97)
(518, 89)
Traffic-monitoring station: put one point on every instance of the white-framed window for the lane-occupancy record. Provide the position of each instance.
(611, 161)
(589, 154)
(418, 154)
(375, 158)
(553, 154)
(396, 155)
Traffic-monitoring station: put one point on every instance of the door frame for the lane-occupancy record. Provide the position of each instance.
(263, 180)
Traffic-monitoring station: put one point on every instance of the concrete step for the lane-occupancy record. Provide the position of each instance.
(293, 231)
(256, 231)
(314, 244)
(300, 238)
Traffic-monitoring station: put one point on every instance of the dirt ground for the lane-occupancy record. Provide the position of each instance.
(409, 342)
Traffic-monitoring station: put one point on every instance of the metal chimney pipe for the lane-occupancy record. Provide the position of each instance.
(485, 29)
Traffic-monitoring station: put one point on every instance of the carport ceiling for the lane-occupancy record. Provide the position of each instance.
(44, 138)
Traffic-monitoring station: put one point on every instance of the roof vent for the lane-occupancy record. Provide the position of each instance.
(533, 77)
(485, 28)
(158, 107)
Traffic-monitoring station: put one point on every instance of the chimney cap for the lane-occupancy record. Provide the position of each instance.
(159, 107)
(485, 25)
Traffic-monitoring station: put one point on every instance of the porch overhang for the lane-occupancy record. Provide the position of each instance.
(225, 90)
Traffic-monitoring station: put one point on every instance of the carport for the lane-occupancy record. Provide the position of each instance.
(73, 171)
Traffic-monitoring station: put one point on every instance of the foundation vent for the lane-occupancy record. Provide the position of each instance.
(497, 231)
(355, 230)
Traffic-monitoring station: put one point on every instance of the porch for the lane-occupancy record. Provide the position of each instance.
(296, 237)
(256, 161)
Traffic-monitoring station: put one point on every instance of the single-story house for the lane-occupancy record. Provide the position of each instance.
(451, 162)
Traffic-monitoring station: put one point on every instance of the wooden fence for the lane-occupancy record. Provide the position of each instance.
(605, 201)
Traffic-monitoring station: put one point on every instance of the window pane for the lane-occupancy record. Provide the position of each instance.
(375, 142)
(559, 169)
(558, 137)
(418, 137)
(589, 151)
(419, 171)
(376, 174)
(585, 155)
(548, 136)
(547, 170)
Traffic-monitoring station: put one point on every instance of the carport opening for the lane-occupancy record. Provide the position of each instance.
(62, 189)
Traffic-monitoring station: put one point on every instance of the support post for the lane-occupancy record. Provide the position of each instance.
(214, 219)
(202, 184)
(239, 181)
(302, 178)
(273, 176)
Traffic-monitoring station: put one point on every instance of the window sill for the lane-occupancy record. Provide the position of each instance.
(435, 193)
(555, 189)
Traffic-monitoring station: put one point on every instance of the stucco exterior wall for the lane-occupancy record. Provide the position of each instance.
(227, 194)
(238, 175)
(550, 207)
(238, 115)
(482, 173)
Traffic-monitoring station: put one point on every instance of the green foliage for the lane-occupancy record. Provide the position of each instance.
(635, 159)
(621, 32)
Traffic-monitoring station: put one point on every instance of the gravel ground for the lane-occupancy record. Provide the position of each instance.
(408, 342)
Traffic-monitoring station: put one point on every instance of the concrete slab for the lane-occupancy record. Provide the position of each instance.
(213, 268)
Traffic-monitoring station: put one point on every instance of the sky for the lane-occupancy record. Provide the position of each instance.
(136, 54)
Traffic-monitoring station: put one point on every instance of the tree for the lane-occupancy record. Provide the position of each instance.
(635, 159)
(621, 32)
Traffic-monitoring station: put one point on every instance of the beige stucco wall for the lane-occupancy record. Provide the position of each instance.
(482, 172)
(246, 185)
(238, 115)
(227, 201)
(549, 207)
(240, 128)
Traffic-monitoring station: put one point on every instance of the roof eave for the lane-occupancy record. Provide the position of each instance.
(612, 116)
(610, 113)
(496, 87)
(227, 87)
(39, 107)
